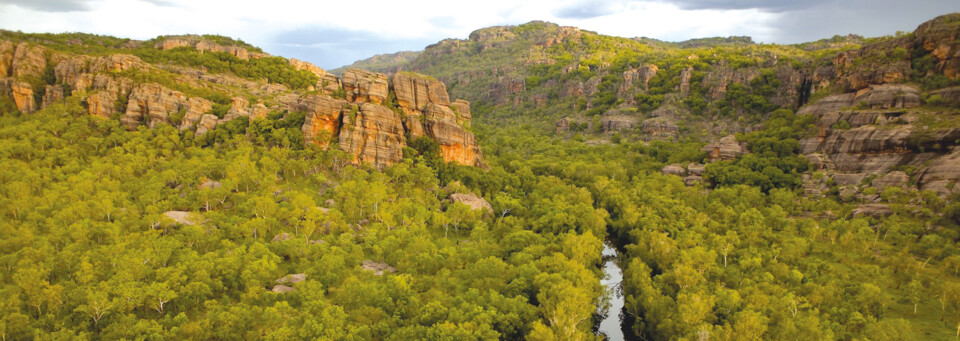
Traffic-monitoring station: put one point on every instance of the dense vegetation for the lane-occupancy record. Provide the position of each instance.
(89, 253)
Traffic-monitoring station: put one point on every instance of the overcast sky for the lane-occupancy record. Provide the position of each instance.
(334, 33)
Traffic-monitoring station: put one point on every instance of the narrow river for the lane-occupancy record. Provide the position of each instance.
(610, 326)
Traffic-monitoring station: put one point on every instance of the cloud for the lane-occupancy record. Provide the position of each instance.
(161, 3)
(334, 47)
(765, 5)
(869, 18)
(588, 9)
(53, 5)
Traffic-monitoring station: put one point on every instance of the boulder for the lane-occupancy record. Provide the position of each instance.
(727, 148)
(280, 288)
(292, 279)
(373, 134)
(378, 269)
(281, 237)
(365, 86)
(674, 170)
(692, 180)
(323, 115)
(209, 184)
(696, 169)
(181, 217)
(475, 202)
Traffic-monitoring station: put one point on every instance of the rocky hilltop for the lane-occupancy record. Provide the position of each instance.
(888, 105)
(367, 114)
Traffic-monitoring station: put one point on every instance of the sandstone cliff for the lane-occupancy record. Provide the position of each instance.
(372, 119)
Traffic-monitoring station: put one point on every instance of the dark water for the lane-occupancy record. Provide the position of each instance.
(610, 325)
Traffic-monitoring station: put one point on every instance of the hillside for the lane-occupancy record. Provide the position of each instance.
(195, 187)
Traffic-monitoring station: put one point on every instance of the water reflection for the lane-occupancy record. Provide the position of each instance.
(612, 276)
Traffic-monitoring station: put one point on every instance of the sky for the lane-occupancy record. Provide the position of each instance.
(335, 33)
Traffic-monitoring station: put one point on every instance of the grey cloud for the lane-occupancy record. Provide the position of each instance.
(331, 48)
(52, 5)
(869, 18)
(766, 5)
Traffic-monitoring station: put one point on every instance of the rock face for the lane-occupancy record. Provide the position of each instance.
(28, 61)
(616, 122)
(872, 210)
(152, 104)
(939, 37)
(365, 86)
(373, 134)
(6, 57)
(428, 112)
(352, 111)
(414, 91)
(52, 94)
(943, 174)
(23, 97)
(875, 130)
(475, 202)
(323, 115)
(203, 45)
(892, 179)
(727, 148)
(884, 96)
(456, 143)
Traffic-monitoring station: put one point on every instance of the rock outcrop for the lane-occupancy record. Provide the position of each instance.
(181, 217)
(28, 61)
(203, 45)
(428, 112)
(727, 148)
(151, 104)
(365, 86)
(618, 122)
(674, 170)
(352, 111)
(373, 134)
(323, 116)
(473, 201)
(23, 97)
(377, 268)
